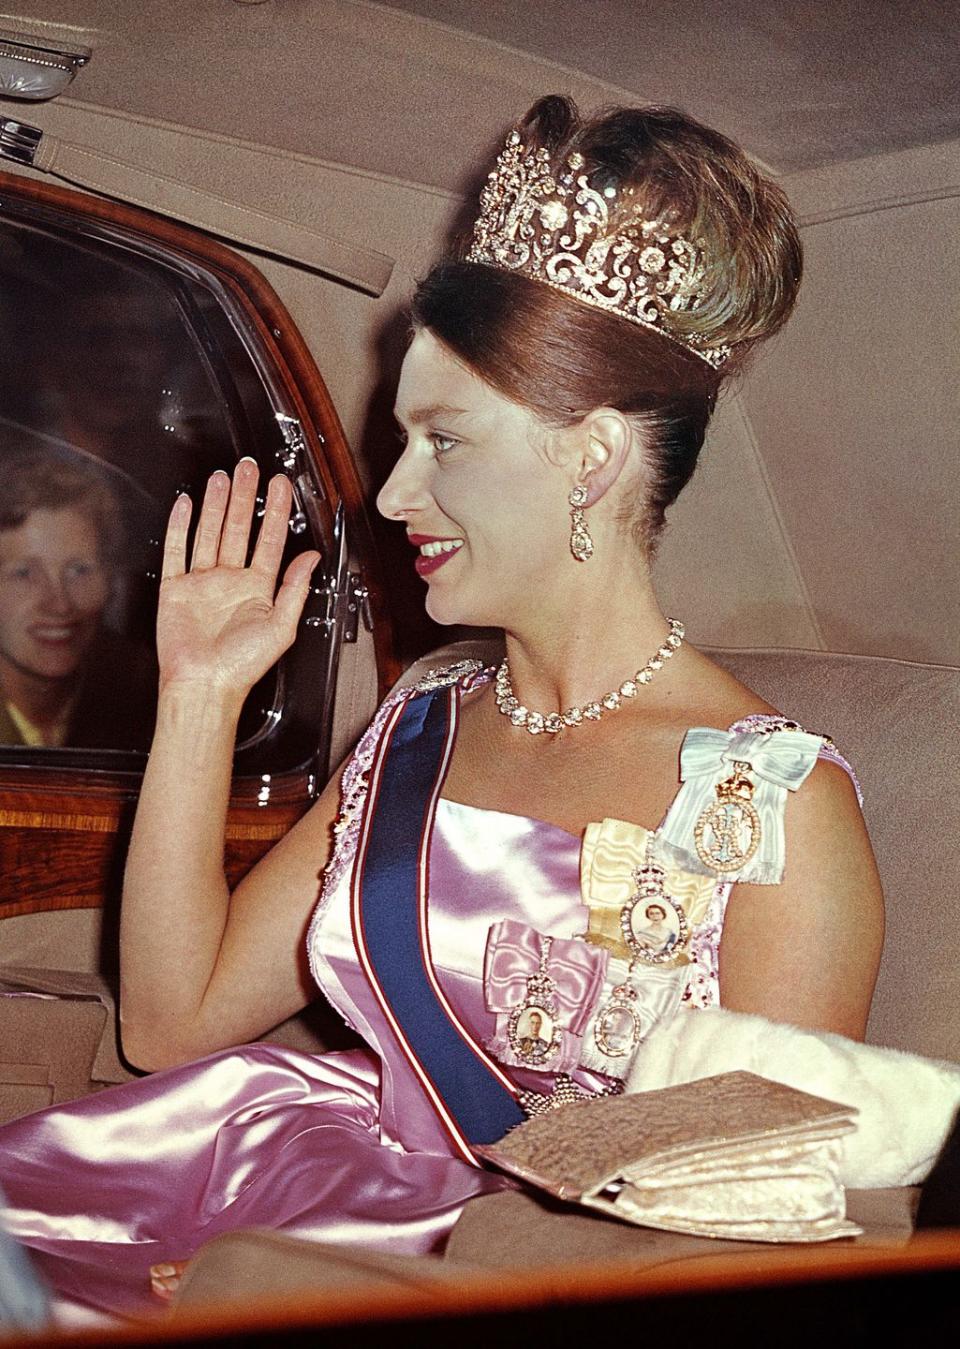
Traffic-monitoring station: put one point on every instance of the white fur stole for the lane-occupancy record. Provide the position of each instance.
(906, 1102)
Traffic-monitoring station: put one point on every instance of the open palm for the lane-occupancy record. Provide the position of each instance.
(219, 621)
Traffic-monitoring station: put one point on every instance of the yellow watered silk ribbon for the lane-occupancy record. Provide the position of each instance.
(612, 850)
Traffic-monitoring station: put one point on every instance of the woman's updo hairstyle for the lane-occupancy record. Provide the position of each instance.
(561, 357)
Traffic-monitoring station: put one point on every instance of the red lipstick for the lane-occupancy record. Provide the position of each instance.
(424, 566)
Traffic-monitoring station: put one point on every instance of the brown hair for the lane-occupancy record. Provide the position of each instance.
(43, 478)
(562, 358)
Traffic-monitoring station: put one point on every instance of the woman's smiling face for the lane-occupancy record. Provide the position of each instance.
(476, 490)
(53, 589)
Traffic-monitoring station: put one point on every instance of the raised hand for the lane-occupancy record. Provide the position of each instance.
(221, 623)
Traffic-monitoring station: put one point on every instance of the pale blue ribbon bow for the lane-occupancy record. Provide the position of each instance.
(780, 761)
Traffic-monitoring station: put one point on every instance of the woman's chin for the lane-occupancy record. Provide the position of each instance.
(446, 610)
(446, 614)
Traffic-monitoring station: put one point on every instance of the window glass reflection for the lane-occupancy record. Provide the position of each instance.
(127, 375)
(69, 673)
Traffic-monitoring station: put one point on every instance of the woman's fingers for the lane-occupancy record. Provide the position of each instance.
(235, 533)
(175, 543)
(223, 530)
(273, 529)
(292, 595)
(206, 543)
(165, 1278)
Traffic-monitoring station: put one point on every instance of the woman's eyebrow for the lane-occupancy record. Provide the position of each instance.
(420, 416)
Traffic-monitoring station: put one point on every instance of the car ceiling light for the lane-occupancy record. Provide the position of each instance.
(35, 70)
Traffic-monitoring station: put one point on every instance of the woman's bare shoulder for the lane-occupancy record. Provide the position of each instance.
(712, 696)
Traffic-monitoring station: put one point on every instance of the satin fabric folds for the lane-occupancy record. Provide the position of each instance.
(339, 1148)
(262, 1136)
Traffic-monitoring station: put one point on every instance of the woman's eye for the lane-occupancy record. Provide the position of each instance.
(442, 443)
(81, 570)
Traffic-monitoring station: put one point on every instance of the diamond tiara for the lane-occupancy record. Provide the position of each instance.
(552, 226)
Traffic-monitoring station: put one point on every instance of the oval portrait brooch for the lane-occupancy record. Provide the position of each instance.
(534, 1031)
(653, 925)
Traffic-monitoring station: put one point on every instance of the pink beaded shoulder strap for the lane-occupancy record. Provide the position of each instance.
(469, 674)
(763, 721)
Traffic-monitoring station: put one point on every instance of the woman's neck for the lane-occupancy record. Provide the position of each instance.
(43, 702)
(588, 645)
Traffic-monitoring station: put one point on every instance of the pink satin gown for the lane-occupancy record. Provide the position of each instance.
(341, 1147)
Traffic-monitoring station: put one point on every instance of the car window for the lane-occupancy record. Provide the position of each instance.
(127, 375)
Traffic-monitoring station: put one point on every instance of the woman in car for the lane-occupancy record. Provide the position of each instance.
(66, 677)
(476, 865)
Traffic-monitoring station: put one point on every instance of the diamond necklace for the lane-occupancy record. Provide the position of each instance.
(536, 722)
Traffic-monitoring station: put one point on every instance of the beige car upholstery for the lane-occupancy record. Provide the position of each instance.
(509, 1233)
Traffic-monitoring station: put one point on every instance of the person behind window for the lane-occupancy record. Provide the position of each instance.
(66, 678)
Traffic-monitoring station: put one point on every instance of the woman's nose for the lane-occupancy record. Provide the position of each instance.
(406, 490)
(55, 595)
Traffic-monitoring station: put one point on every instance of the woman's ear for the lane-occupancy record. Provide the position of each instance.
(606, 440)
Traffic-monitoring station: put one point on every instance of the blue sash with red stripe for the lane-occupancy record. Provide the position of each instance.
(390, 895)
